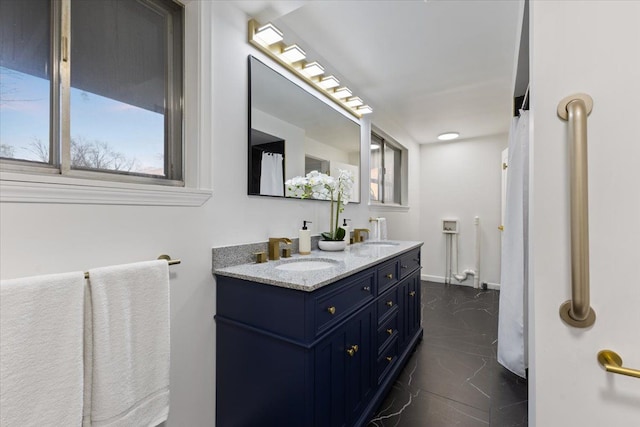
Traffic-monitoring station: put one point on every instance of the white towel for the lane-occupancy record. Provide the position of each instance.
(130, 363)
(271, 182)
(41, 350)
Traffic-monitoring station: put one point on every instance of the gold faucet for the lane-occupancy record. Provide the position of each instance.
(274, 247)
(357, 234)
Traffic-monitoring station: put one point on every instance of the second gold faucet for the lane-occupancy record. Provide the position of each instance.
(274, 247)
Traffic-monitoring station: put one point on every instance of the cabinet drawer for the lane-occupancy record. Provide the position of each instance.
(334, 306)
(387, 332)
(387, 275)
(387, 304)
(409, 262)
(387, 360)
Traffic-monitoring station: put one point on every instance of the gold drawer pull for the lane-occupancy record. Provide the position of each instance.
(390, 303)
(412, 293)
(390, 331)
(366, 288)
(404, 266)
(353, 350)
(331, 310)
(389, 359)
(389, 276)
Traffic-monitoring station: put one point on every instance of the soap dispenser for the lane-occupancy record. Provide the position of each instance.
(347, 231)
(304, 239)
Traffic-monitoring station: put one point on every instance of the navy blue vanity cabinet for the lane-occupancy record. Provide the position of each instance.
(324, 358)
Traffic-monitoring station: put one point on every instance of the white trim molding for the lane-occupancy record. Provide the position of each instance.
(23, 188)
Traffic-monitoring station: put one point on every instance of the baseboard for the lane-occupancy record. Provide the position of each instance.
(468, 282)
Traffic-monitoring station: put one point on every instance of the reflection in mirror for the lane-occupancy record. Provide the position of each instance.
(292, 132)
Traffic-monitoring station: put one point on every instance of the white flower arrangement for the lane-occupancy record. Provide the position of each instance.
(320, 186)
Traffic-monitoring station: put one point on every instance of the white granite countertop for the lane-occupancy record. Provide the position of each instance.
(354, 258)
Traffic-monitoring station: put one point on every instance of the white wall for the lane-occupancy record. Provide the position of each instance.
(461, 180)
(590, 47)
(50, 238)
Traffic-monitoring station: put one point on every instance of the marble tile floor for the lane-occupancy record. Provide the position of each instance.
(453, 377)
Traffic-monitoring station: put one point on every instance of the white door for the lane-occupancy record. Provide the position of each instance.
(591, 47)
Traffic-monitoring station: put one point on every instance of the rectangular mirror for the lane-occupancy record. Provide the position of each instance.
(292, 132)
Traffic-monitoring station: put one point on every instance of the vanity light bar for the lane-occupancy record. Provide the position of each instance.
(293, 54)
(269, 34)
(313, 69)
(328, 82)
(268, 39)
(354, 101)
(342, 92)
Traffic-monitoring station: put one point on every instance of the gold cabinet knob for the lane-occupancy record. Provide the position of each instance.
(412, 293)
(331, 310)
(390, 331)
(366, 288)
(404, 266)
(389, 276)
(353, 350)
(390, 303)
(389, 358)
(501, 227)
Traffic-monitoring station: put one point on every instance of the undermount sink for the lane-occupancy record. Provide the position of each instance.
(380, 243)
(306, 265)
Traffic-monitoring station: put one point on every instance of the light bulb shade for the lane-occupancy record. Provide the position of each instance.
(312, 69)
(448, 136)
(293, 54)
(353, 102)
(364, 109)
(329, 82)
(268, 34)
(342, 92)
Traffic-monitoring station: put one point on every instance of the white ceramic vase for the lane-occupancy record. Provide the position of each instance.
(332, 245)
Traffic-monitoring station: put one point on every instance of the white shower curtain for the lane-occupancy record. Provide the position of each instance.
(512, 339)
(271, 183)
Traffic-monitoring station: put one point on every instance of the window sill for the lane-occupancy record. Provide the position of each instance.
(388, 207)
(25, 188)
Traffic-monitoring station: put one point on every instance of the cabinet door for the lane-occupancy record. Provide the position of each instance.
(410, 308)
(414, 306)
(344, 371)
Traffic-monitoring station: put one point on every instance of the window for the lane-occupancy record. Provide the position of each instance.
(97, 95)
(386, 170)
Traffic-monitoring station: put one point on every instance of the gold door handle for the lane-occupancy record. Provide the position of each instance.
(389, 276)
(331, 310)
(390, 331)
(390, 303)
(612, 362)
(577, 311)
(412, 293)
(501, 227)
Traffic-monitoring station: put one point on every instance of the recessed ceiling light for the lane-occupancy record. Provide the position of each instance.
(448, 136)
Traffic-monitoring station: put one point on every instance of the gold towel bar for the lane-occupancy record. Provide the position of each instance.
(163, 256)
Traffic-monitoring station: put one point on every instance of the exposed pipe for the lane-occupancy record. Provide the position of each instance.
(468, 272)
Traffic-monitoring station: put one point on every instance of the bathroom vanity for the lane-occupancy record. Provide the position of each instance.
(304, 346)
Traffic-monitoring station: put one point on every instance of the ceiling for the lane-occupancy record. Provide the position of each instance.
(424, 66)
